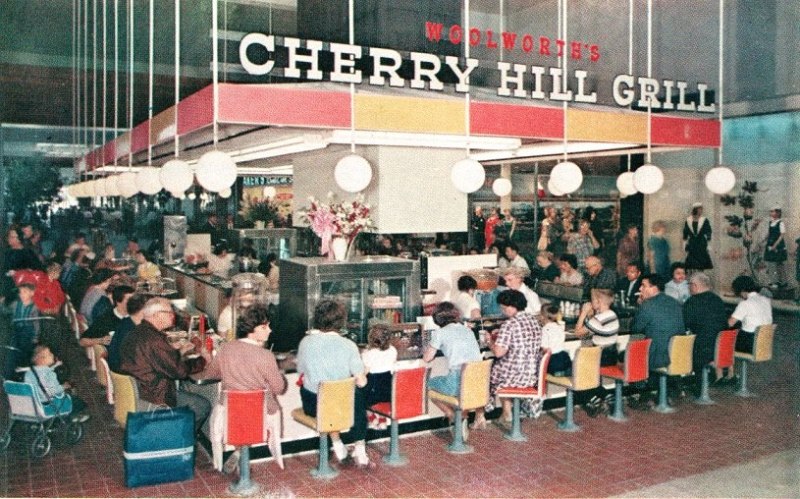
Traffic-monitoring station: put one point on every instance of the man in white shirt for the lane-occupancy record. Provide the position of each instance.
(753, 311)
(515, 279)
(514, 258)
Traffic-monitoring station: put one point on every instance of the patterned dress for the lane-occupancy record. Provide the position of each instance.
(522, 335)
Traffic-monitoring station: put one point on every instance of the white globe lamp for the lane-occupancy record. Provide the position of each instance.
(625, 184)
(648, 179)
(567, 177)
(216, 171)
(100, 187)
(553, 188)
(467, 175)
(269, 192)
(353, 173)
(225, 193)
(501, 187)
(147, 181)
(176, 176)
(112, 187)
(720, 180)
(89, 189)
(192, 196)
(127, 184)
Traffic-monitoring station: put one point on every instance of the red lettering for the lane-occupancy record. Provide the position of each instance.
(433, 31)
(509, 40)
(544, 45)
(456, 34)
(560, 44)
(474, 37)
(575, 53)
(527, 43)
(490, 43)
(594, 53)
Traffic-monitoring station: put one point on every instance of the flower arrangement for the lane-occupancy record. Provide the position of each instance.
(345, 219)
(257, 209)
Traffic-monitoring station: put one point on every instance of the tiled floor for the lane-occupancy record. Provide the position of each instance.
(604, 459)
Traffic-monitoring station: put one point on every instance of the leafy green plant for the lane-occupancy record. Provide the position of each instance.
(743, 227)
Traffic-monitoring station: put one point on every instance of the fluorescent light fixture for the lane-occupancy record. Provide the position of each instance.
(267, 170)
(424, 140)
(56, 150)
(293, 145)
(550, 149)
(117, 169)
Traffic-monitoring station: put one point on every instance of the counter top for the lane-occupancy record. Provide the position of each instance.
(210, 279)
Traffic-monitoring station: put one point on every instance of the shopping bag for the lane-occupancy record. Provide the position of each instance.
(159, 446)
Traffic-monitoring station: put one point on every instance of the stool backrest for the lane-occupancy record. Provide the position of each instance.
(335, 400)
(100, 352)
(725, 347)
(245, 417)
(22, 399)
(102, 366)
(762, 343)
(126, 393)
(637, 360)
(475, 384)
(410, 393)
(544, 363)
(681, 348)
(586, 368)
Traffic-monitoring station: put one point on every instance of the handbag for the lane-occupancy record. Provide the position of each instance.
(159, 446)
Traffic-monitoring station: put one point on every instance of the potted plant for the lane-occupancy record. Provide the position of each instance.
(259, 211)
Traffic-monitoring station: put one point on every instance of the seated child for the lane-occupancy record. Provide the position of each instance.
(50, 392)
(553, 338)
(379, 359)
(601, 322)
(24, 330)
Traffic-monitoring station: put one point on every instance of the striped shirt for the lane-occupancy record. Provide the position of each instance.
(604, 327)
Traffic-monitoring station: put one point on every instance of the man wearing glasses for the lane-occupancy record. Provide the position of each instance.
(156, 364)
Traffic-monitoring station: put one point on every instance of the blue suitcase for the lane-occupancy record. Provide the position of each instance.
(159, 446)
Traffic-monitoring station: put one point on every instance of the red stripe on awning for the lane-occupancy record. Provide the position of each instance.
(196, 111)
(510, 120)
(273, 105)
(666, 130)
(140, 137)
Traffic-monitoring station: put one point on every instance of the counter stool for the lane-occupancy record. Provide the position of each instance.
(102, 367)
(680, 364)
(126, 395)
(762, 352)
(100, 352)
(335, 401)
(473, 394)
(537, 392)
(409, 400)
(585, 376)
(634, 369)
(723, 357)
(244, 427)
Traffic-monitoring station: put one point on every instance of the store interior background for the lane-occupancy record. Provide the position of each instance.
(761, 129)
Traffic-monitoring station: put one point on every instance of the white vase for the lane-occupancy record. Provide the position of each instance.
(259, 224)
(339, 248)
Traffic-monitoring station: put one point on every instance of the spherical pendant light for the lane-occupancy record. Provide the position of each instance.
(176, 176)
(270, 192)
(720, 180)
(567, 177)
(178, 195)
(353, 173)
(192, 196)
(89, 189)
(147, 181)
(467, 175)
(99, 187)
(225, 193)
(501, 187)
(216, 171)
(648, 179)
(112, 188)
(127, 184)
(625, 184)
(553, 188)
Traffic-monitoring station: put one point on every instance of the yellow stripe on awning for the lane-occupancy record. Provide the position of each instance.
(605, 126)
(408, 114)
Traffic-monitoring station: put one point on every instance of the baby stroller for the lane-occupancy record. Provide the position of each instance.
(42, 418)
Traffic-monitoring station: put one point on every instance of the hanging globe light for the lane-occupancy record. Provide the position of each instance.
(720, 180)
(467, 175)
(353, 173)
(112, 188)
(567, 177)
(648, 179)
(625, 184)
(501, 187)
(270, 192)
(553, 188)
(225, 193)
(148, 181)
(176, 176)
(192, 196)
(216, 171)
(127, 184)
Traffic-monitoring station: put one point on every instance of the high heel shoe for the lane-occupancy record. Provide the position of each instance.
(478, 425)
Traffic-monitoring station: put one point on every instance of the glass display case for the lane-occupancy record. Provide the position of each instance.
(282, 242)
(373, 289)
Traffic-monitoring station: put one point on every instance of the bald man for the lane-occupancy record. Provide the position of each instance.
(597, 276)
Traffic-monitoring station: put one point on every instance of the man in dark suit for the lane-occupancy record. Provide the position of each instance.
(629, 285)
